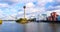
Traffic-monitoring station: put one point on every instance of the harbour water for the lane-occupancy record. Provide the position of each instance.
(12, 26)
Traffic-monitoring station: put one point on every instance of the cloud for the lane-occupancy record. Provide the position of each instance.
(57, 11)
(55, 7)
(28, 5)
(51, 8)
(3, 5)
(16, 1)
(7, 11)
(57, 1)
(39, 2)
(8, 18)
(1, 14)
(43, 2)
(31, 10)
(33, 7)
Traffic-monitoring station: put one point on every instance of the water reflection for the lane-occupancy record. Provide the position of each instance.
(38, 27)
(12, 26)
(41, 27)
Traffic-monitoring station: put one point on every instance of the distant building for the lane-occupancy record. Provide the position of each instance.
(58, 18)
(44, 16)
(53, 17)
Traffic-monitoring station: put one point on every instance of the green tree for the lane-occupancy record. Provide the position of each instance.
(22, 20)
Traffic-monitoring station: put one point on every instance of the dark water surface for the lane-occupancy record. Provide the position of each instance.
(12, 26)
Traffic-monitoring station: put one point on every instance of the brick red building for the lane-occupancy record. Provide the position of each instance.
(53, 16)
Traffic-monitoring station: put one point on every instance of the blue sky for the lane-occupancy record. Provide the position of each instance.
(10, 9)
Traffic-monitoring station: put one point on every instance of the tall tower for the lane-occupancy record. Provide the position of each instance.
(24, 11)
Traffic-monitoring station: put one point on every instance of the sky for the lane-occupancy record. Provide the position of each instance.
(12, 9)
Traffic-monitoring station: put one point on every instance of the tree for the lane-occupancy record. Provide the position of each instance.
(0, 21)
(22, 20)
